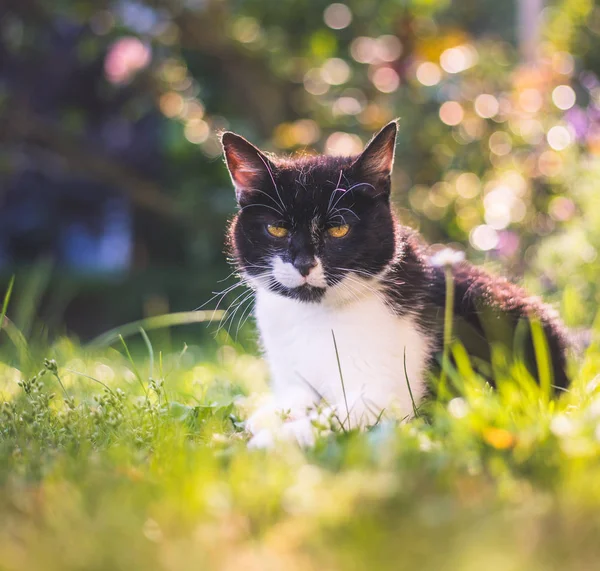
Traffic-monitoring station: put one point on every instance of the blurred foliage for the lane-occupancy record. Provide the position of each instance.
(494, 149)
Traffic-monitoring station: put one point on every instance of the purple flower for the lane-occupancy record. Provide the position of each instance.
(577, 118)
(508, 244)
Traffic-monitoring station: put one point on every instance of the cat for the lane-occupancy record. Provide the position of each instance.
(349, 303)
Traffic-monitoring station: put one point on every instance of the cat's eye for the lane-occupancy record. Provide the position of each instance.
(277, 231)
(338, 231)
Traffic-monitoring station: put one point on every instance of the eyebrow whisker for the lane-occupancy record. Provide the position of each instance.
(272, 179)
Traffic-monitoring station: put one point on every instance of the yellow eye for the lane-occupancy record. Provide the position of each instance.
(277, 231)
(338, 231)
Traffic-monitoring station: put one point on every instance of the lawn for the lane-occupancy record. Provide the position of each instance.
(112, 458)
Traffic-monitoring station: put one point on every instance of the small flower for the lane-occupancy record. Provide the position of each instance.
(561, 425)
(458, 407)
(50, 365)
(499, 438)
(447, 257)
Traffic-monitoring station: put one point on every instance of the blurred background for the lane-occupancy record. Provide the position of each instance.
(114, 197)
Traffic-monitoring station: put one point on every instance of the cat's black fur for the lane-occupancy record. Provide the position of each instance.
(309, 194)
(300, 193)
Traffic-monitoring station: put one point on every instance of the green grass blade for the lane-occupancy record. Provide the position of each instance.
(448, 323)
(34, 286)
(6, 301)
(150, 351)
(412, 399)
(18, 340)
(150, 323)
(134, 368)
(542, 358)
(337, 356)
(12, 331)
(79, 374)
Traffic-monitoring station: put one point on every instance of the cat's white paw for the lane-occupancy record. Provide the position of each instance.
(301, 430)
(266, 417)
(263, 439)
(270, 424)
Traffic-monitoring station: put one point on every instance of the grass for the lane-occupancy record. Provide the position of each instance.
(112, 459)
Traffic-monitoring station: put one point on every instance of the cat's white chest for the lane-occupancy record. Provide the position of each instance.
(379, 355)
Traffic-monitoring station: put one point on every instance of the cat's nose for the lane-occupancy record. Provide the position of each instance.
(304, 264)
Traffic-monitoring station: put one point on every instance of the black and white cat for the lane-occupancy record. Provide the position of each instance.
(316, 238)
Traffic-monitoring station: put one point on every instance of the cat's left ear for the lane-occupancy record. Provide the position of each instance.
(247, 165)
(375, 163)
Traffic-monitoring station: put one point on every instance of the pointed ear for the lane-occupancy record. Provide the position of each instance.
(375, 163)
(247, 165)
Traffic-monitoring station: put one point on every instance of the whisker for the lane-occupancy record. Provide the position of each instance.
(238, 307)
(272, 178)
(262, 205)
(366, 286)
(228, 309)
(337, 187)
(348, 210)
(381, 278)
(235, 272)
(357, 285)
(231, 314)
(332, 218)
(269, 196)
(248, 312)
(346, 191)
(220, 293)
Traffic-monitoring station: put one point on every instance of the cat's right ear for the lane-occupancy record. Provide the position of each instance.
(375, 163)
(247, 165)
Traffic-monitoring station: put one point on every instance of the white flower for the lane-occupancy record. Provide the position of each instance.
(458, 407)
(447, 257)
(561, 425)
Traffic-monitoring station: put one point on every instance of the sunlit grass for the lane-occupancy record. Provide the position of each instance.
(112, 460)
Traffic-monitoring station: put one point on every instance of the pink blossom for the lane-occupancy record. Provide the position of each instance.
(125, 58)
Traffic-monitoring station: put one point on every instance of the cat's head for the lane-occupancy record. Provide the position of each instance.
(315, 224)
